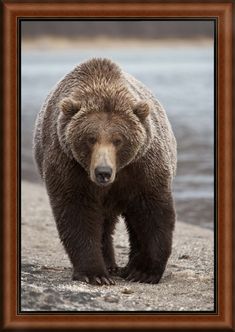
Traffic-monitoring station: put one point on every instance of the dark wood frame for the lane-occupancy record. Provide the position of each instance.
(222, 12)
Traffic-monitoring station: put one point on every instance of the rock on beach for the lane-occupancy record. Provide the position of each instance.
(46, 285)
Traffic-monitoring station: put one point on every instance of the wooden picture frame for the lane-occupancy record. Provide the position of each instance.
(222, 13)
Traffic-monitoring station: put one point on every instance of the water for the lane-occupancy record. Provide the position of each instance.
(180, 77)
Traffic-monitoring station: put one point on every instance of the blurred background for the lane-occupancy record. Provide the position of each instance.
(175, 59)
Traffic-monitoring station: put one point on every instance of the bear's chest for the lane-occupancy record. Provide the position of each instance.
(116, 201)
(120, 195)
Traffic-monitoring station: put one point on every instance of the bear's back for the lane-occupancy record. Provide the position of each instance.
(164, 139)
(45, 133)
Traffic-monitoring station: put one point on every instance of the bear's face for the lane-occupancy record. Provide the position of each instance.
(103, 142)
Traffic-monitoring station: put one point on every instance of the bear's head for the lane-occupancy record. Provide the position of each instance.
(101, 123)
(103, 138)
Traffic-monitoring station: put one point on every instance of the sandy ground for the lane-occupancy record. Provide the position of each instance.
(46, 285)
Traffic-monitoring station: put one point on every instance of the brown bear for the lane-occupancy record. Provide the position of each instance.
(105, 148)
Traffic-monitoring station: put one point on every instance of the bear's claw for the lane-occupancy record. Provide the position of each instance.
(134, 275)
(100, 281)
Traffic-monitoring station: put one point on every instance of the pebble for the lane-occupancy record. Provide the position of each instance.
(111, 299)
(184, 257)
(127, 291)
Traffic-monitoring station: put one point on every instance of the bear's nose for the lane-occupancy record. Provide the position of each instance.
(103, 174)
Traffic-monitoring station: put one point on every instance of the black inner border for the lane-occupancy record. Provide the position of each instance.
(19, 39)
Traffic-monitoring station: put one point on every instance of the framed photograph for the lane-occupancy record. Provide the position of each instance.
(117, 167)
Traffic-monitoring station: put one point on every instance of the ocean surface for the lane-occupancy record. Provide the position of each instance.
(181, 78)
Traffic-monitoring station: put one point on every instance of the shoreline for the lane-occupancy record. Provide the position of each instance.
(52, 43)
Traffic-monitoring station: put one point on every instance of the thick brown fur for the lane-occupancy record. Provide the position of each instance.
(98, 112)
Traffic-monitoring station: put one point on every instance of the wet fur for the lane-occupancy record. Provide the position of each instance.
(85, 213)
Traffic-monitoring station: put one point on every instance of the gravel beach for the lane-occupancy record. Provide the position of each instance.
(46, 285)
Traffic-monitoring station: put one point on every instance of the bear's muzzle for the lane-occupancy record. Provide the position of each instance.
(103, 164)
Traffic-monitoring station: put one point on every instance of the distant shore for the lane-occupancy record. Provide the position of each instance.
(51, 43)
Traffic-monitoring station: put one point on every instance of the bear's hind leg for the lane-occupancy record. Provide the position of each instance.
(107, 245)
(133, 251)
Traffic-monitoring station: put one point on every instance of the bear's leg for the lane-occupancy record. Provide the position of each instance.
(133, 239)
(82, 241)
(107, 245)
(152, 220)
(80, 230)
(134, 250)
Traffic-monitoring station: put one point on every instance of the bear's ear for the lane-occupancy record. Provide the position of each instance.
(69, 106)
(141, 110)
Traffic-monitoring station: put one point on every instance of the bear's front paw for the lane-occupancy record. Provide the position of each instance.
(94, 279)
(135, 275)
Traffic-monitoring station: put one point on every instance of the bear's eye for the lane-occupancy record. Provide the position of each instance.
(91, 140)
(117, 141)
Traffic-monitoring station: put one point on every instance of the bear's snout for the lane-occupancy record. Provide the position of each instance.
(103, 164)
(103, 174)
